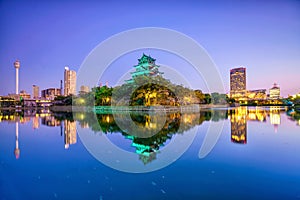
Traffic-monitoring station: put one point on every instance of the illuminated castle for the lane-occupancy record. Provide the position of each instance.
(145, 67)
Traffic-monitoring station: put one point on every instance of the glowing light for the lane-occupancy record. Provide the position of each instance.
(107, 119)
(82, 116)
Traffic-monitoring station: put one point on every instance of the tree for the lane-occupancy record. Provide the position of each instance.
(102, 95)
(200, 96)
(207, 98)
(218, 98)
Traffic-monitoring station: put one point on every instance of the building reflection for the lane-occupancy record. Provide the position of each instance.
(148, 147)
(238, 120)
(275, 117)
(240, 116)
(35, 122)
(50, 120)
(70, 136)
(256, 114)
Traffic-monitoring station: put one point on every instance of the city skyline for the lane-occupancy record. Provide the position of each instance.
(253, 35)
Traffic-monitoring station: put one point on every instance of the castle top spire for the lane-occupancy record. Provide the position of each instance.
(146, 59)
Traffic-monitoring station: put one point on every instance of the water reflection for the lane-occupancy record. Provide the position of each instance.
(50, 120)
(17, 150)
(70, 135)
(275, 118)
(148, 147)
(240, 116)
(238, 119)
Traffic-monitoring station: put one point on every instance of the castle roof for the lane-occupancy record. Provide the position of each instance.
(146, 58)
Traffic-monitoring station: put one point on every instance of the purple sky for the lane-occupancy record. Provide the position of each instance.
(47, 36)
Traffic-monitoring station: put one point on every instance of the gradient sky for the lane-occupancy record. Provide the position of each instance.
(46, 36)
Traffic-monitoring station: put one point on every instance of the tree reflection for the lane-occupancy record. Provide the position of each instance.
(154, 129)
(147, 147)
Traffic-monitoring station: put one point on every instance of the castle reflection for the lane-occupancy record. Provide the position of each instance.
(164, 127)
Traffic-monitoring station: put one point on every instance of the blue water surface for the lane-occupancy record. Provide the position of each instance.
(267, 166)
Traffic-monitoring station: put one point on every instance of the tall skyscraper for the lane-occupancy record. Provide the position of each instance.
(61, 87)
(69, 82)
(238, 82)
(35, 91)
(17, 66)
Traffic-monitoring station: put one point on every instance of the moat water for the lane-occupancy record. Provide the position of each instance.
(240, 153)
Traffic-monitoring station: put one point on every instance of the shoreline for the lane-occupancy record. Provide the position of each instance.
(188, 108)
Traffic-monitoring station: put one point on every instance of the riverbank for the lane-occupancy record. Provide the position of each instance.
(100, 109)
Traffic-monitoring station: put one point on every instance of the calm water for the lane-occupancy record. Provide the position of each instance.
(256, 155)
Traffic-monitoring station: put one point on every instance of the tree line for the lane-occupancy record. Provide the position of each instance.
(145, 91)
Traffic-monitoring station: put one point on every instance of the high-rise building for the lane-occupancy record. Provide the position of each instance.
(35, 91)
(275, 92)
(69, 82)
(238, 83)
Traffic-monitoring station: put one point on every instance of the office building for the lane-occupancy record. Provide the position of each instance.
(24, 94)
(35, 91)
(257, 94)
(238, 83)
(275, 92)
(69, 82)
(50, 93)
